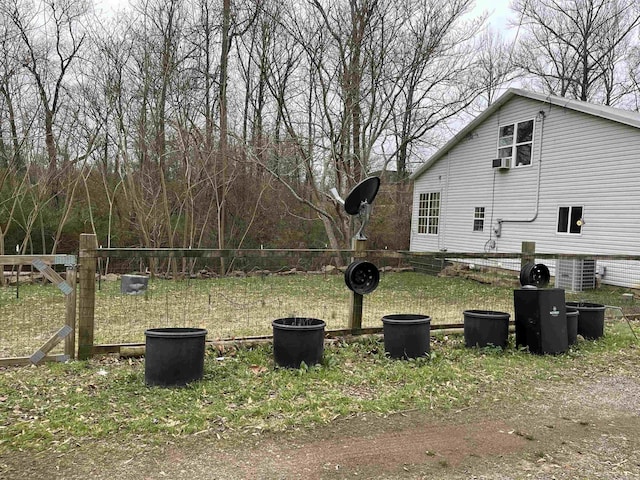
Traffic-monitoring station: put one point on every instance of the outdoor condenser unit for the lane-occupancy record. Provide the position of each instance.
(575, 274)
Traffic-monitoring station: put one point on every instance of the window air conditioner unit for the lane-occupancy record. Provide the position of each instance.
(502, 163)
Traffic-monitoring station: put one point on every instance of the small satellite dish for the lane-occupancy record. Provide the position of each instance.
(359, 201)
(363, 193)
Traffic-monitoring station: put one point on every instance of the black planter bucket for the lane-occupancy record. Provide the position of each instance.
(407, 335)
(297, 340)
(174, 357)
(572, 324)
(483, 328)
(590, 319)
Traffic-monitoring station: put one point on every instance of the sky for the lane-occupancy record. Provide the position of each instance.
(498, 10)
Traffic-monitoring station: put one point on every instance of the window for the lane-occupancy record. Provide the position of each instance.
(429, 213)
(570, 220)
(478, 219)
(515, 141)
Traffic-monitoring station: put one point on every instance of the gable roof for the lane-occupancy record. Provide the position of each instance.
(626, 117)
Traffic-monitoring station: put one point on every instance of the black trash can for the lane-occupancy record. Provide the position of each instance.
(174, 357)
(572, 324)
(590, 319)
(541, 320)
(297, 340)
(483, 328)
(407, 335)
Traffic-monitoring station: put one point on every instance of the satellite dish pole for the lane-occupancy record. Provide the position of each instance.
(361, 277)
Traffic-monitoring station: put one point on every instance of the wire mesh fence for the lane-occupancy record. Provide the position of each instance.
(259, 287)
(31, 311)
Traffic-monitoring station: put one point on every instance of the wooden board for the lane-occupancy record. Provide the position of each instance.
(41, 353)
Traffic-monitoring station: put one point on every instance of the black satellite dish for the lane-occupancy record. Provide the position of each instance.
(359, 202)
(363, 193)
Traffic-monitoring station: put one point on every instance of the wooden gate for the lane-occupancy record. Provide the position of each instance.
(44, 263)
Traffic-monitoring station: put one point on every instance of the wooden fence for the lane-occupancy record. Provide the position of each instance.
(90, 255)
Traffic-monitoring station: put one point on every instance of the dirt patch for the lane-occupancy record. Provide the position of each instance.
(386, 452)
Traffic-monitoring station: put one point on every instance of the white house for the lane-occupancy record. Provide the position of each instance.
(562, 173)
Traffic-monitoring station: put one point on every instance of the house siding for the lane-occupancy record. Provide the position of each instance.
(586, 161)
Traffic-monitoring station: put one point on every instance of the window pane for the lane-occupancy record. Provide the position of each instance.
(505, 152)
(525, 131)
(576, 215)
(428, 212)
(478, 219)
(505, 141)
(523, 156)
(506, 130)
(433, 227)
(563, 219)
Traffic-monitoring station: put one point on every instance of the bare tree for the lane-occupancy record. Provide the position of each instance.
(495, 63)
(364, 75)
(439, 74)
(577, 48)
(10, 149)
(48, 58)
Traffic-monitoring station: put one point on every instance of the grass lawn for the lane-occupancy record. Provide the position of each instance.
(57, 406)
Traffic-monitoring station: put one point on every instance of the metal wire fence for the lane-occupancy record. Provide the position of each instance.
(31, 312)
(259, 287)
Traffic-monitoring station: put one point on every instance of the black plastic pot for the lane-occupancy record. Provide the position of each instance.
(572, 324)
(407, 335)
(484, 328)
(174, 357)
(590, 319)
(297, 340)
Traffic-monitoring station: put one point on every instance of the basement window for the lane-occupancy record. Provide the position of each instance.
(478, 219)
(570, 220)
(429, 213)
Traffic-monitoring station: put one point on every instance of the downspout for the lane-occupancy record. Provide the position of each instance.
(442, 244)
(498, 230)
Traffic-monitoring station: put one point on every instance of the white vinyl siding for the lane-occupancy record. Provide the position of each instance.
(578, 159)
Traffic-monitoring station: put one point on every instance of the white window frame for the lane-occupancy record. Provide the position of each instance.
(478, 216)
(513, 144)
(570, 215)
(429, 213)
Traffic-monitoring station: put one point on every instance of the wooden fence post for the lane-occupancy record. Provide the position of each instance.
(355, 320)
(70, 340)
(87, 301)
(528, 253)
